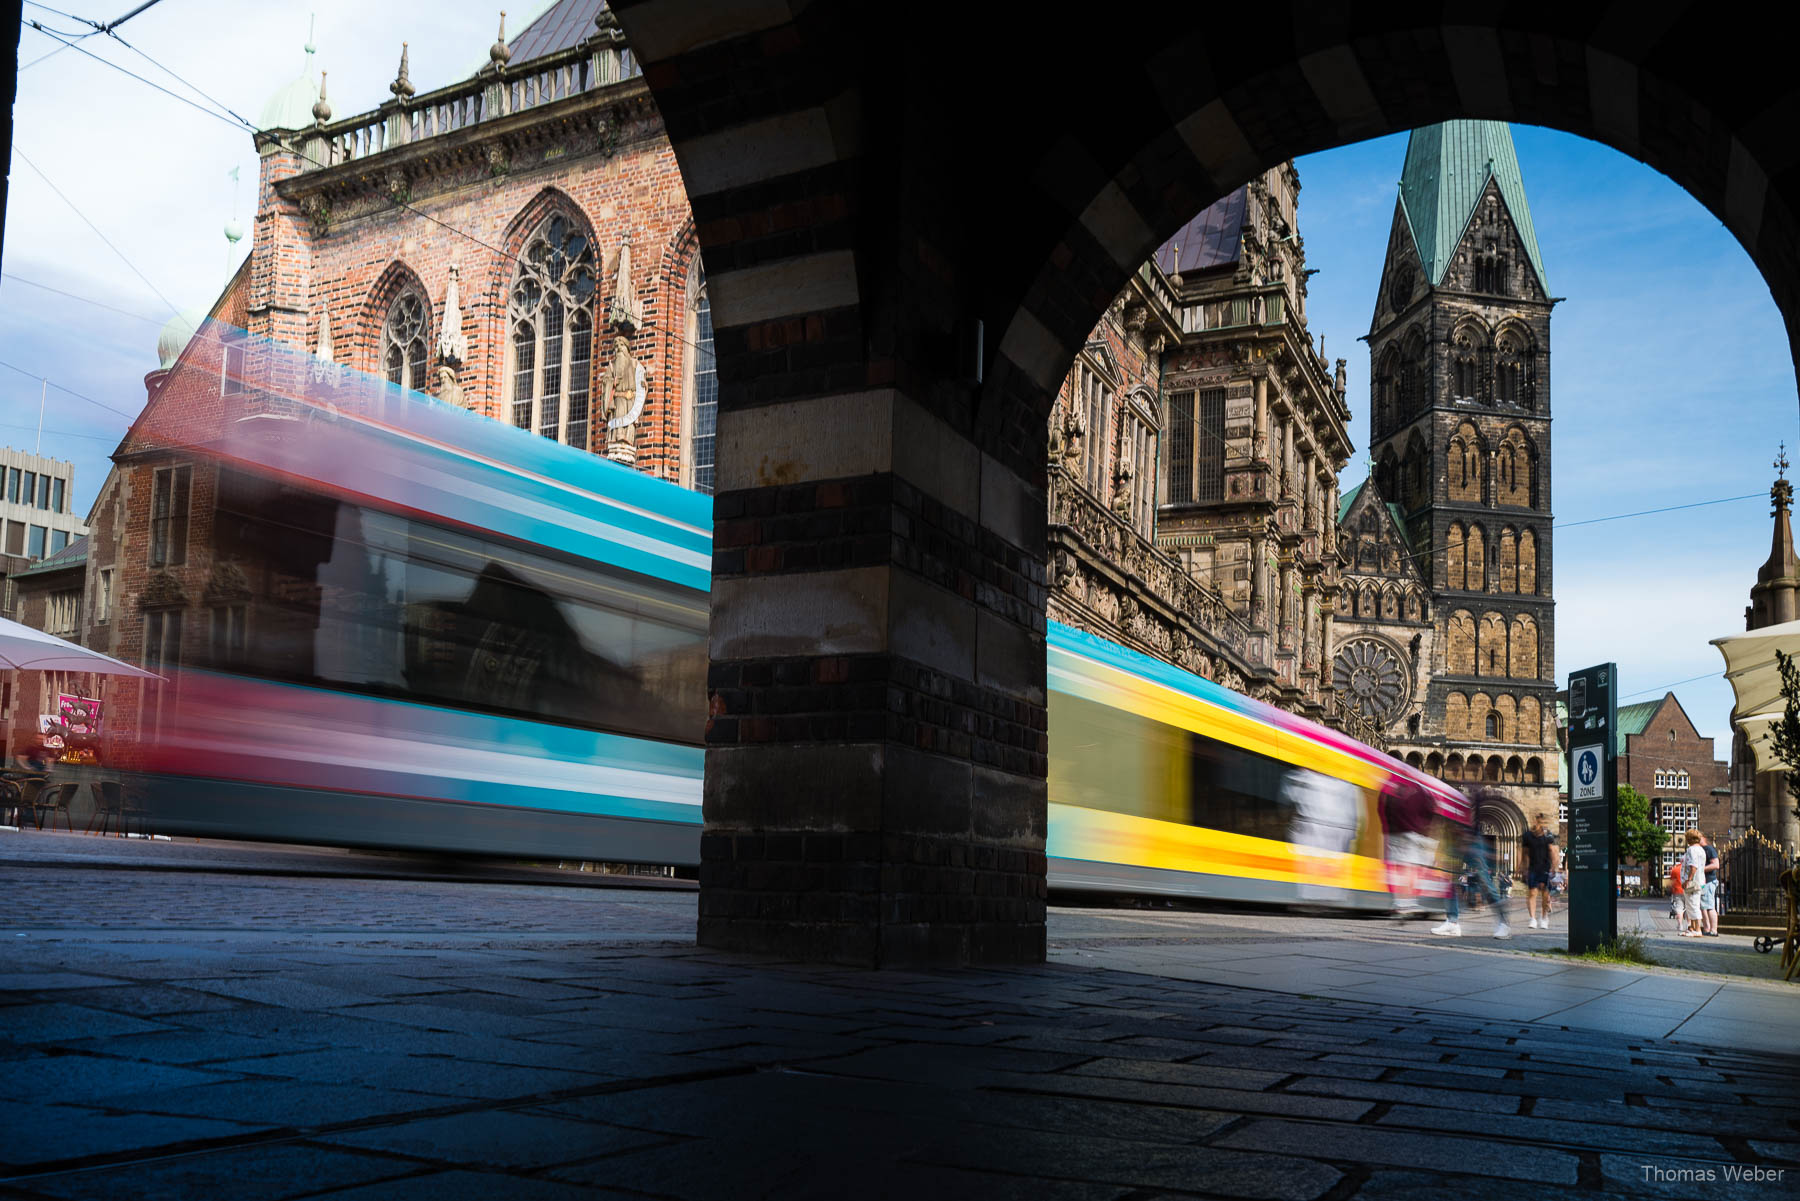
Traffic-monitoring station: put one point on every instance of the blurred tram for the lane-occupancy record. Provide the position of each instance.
(468, 638)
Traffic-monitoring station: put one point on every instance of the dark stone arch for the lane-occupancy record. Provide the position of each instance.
(847, 204)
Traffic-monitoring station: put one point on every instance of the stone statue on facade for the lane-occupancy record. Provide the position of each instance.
(623, 402)
(1057, 443)
(1121, 501)
(449, 390)
(1074, 430)
(1342, 381)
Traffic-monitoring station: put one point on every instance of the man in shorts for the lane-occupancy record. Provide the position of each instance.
(1693, 872)
(1709, 890)
(1540, 852)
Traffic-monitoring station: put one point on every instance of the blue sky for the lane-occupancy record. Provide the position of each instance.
(1671, 376)
(1671, 382)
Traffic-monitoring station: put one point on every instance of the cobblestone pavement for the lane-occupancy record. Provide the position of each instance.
(178, 1034)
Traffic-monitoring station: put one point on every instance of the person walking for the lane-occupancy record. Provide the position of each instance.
(1709, 890)
(1470, 851)
(1540, 851)
(1693, 871)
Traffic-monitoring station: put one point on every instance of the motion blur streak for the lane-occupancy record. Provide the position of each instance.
(460, 636)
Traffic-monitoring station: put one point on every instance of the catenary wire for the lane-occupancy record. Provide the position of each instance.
(26, 159)
(12, 278)
(70, 391)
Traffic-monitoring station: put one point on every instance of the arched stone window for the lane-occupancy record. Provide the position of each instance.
(1531, 720)
(550, 353)
(1514, 468)
(1456, 716)
(1515, 770)
(1454, 549)
(700, 412)
(1475, 553)
(1465, 453)
(1509, 560)
(1492, 771)
(1491, 659)
(1465, 363)
(1415, 760)
(1412, 605)
(1453, 767)
(1460, 653)
(406, 339)
(1528, 562)
(1512, 368)
(1524, 648)
(1534, 770)
(1434, 763)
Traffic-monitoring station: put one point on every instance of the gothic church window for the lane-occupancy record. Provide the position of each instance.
(1493, 726)
(405, 335)
(1511, 359)
(550, 372)
(701, 413)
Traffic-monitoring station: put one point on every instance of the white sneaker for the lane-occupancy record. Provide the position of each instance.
(1453, 929)
(1540, 923)
(1503, 931)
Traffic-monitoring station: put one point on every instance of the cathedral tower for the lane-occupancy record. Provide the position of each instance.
(1460, 438)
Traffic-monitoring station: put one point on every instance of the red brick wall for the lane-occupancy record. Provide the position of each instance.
(1655, 750)
(357, 264)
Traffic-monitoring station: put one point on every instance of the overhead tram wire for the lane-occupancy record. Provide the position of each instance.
(223, 113)
(26, 159)
(70, 391)
(95, 27)
(13, 278)
(1706, 675)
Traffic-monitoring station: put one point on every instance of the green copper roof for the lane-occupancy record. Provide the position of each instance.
(1349, 498)
(1447, 166)
(1633, 719)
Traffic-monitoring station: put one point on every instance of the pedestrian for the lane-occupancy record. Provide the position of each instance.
(1693, 872)
(1540, 852)
(1469, 849)
(1709, 890)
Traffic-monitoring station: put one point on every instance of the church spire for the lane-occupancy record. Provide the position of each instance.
(1772, 601)
(1447, 168)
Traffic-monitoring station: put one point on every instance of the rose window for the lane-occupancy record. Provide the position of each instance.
(1371, 678)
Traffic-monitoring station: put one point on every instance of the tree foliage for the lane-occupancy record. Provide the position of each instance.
(1784, 735)
(1640, 839)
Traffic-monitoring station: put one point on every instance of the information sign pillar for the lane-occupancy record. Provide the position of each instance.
(1593, 851)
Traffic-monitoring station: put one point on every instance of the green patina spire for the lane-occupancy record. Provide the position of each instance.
(1447, 167)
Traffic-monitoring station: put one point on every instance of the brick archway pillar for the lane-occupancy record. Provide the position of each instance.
(876, 747)
(876, 753)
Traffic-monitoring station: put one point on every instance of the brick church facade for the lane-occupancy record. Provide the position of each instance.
(1445, 624)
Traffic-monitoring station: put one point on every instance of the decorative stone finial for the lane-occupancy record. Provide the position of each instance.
(625, 311)
(402, 87)
(498, 53)
(453, 344)
(321, 106)
(1783, 492)
(1175, 267)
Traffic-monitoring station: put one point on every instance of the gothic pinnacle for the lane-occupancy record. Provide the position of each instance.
(499, 53)
(402, 87)
(321, 109)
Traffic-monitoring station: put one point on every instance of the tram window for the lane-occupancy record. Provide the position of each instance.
(1237, 790)
(358, 599)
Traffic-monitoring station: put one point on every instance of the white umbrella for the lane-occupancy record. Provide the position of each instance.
(1755, 680)
(26, 649)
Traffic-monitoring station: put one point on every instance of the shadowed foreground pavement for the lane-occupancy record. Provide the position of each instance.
(184, 1035)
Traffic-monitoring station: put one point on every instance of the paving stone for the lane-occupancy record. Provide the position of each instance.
(1473, 1098)
(45, 1023)
(1367, 1144)
(1387, 1185)
(261, 1173)
(1779, 1152)
(300, 1105)
(495, 1139)
(469, 1186)
(1617, 1135)
(1202, 1074)
(84, 1079)
(55, 1134)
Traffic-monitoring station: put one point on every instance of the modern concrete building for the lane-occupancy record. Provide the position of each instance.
(37, 503)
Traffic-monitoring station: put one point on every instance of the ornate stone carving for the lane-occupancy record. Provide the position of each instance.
(227, 585)
(623, 402)
(449, 390)
(453, 344)
(163, 591)
(625, 312)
